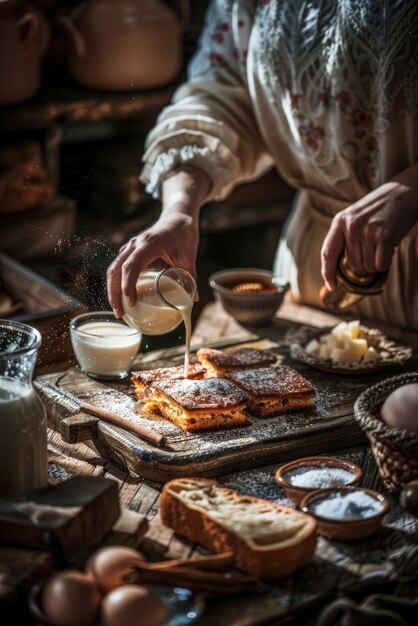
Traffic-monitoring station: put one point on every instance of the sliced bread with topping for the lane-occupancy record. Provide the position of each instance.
(268, 540)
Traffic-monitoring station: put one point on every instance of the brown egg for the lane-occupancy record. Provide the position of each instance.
(71, 598)
(400, 409)
(110, 565)
(133, 604)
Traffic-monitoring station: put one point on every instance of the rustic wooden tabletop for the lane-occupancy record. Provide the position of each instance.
(337, 566)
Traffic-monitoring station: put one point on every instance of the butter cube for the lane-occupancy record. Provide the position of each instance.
(332, 342)
(341, 355)
(344, 338)
(323, 351)
(354, 328)
(339, 328)
(357, 347)
(371, 355)
(312, 346)
(337, 355)
(325, 338)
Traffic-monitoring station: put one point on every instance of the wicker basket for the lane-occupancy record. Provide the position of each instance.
(395, 449)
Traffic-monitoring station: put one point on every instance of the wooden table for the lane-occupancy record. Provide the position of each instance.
(337, 566)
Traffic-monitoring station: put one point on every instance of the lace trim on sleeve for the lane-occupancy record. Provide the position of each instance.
(206, 152)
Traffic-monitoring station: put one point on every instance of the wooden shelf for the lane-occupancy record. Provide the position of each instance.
(70, 103)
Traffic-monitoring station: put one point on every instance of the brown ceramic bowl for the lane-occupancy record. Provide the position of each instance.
(251, 308)
(346, 529)
(298, 493)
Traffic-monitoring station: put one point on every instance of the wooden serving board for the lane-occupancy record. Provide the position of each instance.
(207, 453)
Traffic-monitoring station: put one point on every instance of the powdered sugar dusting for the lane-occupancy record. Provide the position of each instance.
(206, 394)
(243, 357)
(272, 381)
(169, 373)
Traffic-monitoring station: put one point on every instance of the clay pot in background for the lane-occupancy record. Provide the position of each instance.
(24, 38)
(125, 44)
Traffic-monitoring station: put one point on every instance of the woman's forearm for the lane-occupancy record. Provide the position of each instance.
(185, 190)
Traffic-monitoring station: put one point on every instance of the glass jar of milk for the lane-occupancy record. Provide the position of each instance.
(23, 431)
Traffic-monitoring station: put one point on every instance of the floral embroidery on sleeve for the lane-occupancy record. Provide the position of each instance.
(225, 42)
(337, 73)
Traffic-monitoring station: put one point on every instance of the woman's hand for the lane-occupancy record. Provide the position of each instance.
(173, 239)
(369, 230)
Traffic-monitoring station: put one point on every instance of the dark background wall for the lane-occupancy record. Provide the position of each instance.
(87, 164)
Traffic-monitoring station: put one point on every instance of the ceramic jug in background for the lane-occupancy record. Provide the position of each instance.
(24, 38)
(125, 44)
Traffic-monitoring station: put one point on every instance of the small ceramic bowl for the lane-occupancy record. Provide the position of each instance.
(346, 529)
(297, 493)
(252, 308)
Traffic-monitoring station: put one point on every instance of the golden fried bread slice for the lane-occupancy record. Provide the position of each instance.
(143, 380)
(274, 390)
(200, 404)
(219, 363)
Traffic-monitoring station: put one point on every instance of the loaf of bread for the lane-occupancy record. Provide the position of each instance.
(268, 540)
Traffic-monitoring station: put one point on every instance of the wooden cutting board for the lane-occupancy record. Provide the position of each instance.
(207, 453)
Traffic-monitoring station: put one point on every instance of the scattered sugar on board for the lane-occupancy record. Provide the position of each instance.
(319, 477)
(353, 505)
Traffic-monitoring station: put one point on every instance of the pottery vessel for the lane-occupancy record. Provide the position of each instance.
(346, 529)
(249, 308)
(24, 39)
(125, 44)
(297, 493)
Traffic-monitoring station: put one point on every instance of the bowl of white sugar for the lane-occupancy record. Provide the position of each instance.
(300, 477)
(346, 513)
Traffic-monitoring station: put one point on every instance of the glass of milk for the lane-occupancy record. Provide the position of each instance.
(23, 429)
(105, 347)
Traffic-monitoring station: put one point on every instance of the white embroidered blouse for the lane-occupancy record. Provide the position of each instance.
(326, 91)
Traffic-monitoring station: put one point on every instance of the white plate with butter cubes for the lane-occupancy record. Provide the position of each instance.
(348, 348)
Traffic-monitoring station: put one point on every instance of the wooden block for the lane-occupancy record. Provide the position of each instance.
(68, 519)
(129, 530)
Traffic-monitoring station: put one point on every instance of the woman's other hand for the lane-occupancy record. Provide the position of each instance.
(173, 239)
(369, 230)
